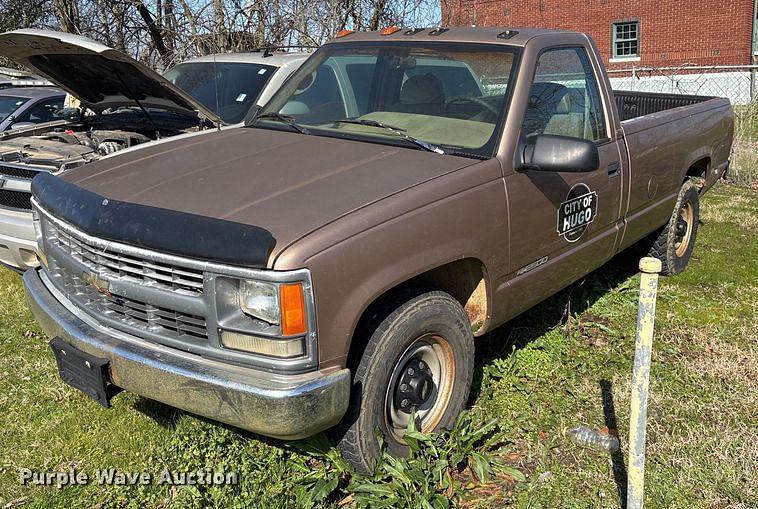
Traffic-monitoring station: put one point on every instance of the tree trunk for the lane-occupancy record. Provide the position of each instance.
(219, 27)
(376, 17)
(155, 33)
(67, 12)
(169, 25)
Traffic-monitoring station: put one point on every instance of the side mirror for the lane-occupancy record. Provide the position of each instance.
(548, 152)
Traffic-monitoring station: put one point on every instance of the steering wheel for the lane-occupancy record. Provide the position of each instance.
(469, 98)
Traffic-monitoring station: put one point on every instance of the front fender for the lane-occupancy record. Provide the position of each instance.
(460, 215)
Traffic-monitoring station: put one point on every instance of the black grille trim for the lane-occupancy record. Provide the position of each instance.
(18, 200)
(24, 172)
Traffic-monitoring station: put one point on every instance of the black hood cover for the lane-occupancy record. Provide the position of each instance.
(162, 230)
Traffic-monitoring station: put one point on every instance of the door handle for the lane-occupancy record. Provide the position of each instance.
(614, 169)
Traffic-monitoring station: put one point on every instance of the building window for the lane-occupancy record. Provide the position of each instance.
(626, 39)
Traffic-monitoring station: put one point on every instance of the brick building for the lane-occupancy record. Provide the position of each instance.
(652, 33)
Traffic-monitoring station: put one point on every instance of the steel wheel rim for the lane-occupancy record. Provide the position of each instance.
(436, 352)
(684, 224)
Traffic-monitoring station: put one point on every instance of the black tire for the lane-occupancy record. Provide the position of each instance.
(395, 335)
(674, 244)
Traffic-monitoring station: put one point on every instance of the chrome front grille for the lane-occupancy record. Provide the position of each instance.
(123, 266)
(144, 296)
(158, 318)
(130, 312)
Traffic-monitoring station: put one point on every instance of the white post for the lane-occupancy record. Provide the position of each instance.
(650, 268)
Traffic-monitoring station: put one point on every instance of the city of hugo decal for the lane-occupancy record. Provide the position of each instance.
(578, 211)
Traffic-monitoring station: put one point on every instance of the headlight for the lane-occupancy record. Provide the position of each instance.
(267, 317)
(260, 300)
(275, 304)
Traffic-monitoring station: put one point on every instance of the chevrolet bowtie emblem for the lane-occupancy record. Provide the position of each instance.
(100, 284)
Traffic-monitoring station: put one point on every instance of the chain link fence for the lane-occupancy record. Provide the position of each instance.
(737, 83)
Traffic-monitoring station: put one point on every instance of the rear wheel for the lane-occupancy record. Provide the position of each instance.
(675, 242)
(419, 361)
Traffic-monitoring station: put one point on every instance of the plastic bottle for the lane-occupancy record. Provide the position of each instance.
(594, 439)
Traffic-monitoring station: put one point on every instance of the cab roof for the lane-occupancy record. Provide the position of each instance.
(512, 36)
(276, 58)
(31, 92)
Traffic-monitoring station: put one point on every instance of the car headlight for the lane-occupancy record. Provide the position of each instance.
(260, 300)
(266, 317)
(277, 304)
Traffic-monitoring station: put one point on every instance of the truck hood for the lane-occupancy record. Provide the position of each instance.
(99, 76)
(289, 184)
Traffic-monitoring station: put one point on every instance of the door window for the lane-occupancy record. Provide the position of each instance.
(9, 104)
(564, 98)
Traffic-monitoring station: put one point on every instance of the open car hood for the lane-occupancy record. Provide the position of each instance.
(99, 76)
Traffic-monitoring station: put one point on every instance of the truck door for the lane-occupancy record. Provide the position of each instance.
(563, 224)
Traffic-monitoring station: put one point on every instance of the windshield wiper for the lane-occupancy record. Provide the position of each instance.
(287, 119)
(395, 130)
(368, 122)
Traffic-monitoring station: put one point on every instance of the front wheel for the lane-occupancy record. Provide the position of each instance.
(674, 244)
(419, 360)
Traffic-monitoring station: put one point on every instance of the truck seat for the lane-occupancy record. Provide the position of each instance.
(568, 119)
(422, 94)
(544, 98)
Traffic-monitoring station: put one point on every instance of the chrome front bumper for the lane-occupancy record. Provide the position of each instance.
(18, 244)
(281, 406)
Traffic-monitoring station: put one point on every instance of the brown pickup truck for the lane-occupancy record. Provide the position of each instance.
(329, 264)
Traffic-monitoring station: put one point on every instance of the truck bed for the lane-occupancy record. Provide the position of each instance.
(637, 104)
(670, 136)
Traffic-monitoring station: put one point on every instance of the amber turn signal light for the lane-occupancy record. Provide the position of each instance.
(292, 305)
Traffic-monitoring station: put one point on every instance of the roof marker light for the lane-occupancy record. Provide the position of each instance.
(389, 30)
(413, 31)
(343, 33)
(438, 31)
(507, 34)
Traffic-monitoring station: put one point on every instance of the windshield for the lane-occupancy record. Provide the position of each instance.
(238, 85)
(9, 104)
(449, 96)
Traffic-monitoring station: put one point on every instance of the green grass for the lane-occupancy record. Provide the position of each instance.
(566, 362)
(743, 169)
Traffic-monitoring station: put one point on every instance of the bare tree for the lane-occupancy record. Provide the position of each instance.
(164, 32)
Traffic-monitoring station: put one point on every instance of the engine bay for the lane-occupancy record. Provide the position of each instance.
(70, 144)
